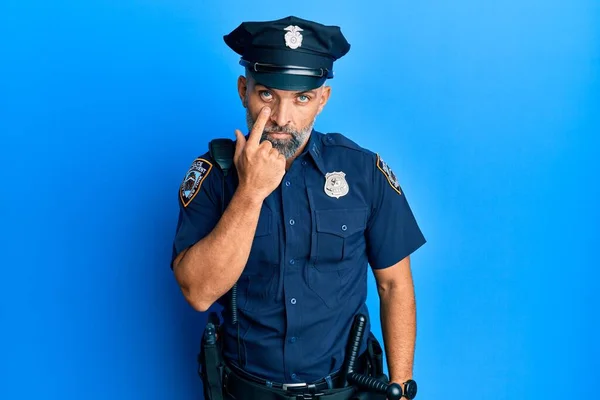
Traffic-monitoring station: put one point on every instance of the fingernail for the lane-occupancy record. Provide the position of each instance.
(266, 110)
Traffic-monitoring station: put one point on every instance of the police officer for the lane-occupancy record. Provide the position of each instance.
(293, 227)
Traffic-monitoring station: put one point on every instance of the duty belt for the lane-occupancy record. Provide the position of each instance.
(244, 386)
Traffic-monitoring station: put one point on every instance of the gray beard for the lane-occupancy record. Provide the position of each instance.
(287, 147)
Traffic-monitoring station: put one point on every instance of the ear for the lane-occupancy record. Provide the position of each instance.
(242, 85)
(324, 98)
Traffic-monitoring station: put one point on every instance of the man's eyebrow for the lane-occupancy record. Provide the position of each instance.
(312, 91)
(262, 86)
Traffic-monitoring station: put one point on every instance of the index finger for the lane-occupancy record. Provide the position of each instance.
(259, 126)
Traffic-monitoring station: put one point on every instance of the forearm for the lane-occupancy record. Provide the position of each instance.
(213, 265)
(398, 322)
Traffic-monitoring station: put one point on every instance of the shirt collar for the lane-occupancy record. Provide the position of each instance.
(315, 149)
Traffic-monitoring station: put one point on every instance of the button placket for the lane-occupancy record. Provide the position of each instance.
(293, 216)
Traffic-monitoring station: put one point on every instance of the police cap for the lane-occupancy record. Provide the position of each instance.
(289, 53)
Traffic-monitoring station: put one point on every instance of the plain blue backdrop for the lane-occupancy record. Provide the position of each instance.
(488, 111)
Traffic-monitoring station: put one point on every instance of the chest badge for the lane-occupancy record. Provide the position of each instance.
(336, 184)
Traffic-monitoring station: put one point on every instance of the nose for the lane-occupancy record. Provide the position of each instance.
(281, 113)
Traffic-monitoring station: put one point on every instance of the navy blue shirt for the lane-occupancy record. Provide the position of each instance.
(338, 209)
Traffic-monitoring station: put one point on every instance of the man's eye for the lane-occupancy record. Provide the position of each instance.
(303, 98)
(265, 95)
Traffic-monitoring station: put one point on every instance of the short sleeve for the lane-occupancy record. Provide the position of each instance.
(392, 231)
(199, 201)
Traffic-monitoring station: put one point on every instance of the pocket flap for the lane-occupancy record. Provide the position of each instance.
(343, 222)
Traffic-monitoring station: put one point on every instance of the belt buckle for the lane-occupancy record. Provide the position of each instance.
(309, 392)
(293, 386)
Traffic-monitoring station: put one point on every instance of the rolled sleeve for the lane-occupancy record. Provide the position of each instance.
(392, 231)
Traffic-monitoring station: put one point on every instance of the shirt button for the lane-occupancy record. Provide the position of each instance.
(303, 162)
(292, 222)
(287, 183)
(293, 300)
(293, 376)
(292, 262)
(293, 340)
(344, 227)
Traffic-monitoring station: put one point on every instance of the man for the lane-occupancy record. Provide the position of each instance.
(293, 227)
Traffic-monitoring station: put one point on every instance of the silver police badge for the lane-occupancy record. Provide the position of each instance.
(336, 184)
(293, 37)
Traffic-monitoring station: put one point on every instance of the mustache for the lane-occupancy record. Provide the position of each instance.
(276, 128)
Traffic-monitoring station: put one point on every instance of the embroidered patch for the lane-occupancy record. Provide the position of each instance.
(193, 180)
(389, 174)
(336, 185)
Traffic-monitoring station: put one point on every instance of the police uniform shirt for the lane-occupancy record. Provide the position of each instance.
(338, 209)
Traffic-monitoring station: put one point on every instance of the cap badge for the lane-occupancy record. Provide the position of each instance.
(293, 37)
(335, 184)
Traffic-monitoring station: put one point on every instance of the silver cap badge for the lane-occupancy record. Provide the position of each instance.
(293, 37)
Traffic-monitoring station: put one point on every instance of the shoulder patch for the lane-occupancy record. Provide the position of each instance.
(193, 180)
(389, 174)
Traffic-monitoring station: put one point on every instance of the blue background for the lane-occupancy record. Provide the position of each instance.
(488, 111)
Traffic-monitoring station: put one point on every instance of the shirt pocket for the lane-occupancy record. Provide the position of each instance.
(338, 239)
(257, 284)
(339, 234)
(265, 245)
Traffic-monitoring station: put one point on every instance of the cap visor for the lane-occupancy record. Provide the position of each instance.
(287, 82)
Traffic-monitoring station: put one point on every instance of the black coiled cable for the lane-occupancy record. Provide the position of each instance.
(368, 382)
(234, 311)
(392, 392)
(233, 299)
(353, 347)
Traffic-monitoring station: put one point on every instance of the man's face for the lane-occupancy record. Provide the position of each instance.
(293, 113)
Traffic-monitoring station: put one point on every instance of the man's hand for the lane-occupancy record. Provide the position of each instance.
(260, 167)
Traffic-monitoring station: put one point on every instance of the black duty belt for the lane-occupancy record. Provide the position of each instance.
(241, 385)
